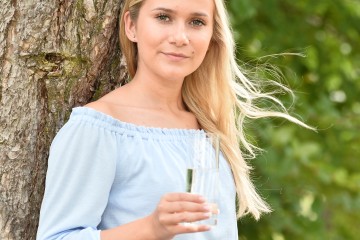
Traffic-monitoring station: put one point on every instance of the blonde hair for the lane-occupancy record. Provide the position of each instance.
(221, 98)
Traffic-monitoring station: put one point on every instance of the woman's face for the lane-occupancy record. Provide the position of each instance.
(172, 36)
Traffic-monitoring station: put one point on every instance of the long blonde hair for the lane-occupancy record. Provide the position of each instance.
(221, 98)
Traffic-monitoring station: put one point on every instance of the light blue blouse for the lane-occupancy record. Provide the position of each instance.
(103, 173)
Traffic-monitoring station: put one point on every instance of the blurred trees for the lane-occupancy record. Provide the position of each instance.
(312, 180)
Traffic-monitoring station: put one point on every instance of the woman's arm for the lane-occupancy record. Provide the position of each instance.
(81, 171)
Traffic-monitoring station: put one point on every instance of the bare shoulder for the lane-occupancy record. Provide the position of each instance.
(106, 103)
(120, 105)
(125, 106)
(99, 106)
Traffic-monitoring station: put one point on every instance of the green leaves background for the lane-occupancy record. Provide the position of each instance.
(311, 180)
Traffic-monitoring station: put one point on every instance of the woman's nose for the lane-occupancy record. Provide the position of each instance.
(179, 36)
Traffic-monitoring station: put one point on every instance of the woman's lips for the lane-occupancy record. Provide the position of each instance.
(176, 56)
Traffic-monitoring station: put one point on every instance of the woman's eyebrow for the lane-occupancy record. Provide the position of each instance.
(168, 10)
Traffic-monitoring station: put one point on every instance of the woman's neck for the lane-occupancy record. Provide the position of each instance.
(159, 94)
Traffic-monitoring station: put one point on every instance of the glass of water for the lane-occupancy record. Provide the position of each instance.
(202, 174)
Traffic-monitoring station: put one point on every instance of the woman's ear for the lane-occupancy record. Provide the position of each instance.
(130, 27)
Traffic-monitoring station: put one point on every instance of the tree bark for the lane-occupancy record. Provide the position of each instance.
(54, 55)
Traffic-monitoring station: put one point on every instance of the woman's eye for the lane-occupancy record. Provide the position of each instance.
(197, 22)
(163, 17)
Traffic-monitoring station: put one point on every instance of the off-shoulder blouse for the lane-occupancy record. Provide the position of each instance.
(103, 173)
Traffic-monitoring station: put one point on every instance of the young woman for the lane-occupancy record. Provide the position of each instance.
(115, 168)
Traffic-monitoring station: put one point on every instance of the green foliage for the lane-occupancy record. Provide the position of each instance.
(312, 180)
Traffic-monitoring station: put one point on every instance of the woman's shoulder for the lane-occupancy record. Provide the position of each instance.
(96, 115)
(111, 104)
(117, 112)
(115, 105)
(100, 106)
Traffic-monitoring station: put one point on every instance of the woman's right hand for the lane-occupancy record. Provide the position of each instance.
(175, 213)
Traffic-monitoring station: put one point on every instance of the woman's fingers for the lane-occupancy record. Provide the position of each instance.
(184, 202)
(176, 211)
(185, 197)
(191, 228)
(184, 217)
(171, 213)
(188, 228)
(173, 207)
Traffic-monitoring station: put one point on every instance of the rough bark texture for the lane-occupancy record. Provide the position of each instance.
(54, 55)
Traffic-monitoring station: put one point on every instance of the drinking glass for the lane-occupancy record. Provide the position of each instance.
(203, 171)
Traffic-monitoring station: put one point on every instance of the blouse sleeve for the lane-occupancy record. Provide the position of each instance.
(81, 170)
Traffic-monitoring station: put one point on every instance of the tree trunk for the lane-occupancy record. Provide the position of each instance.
(54, 55)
